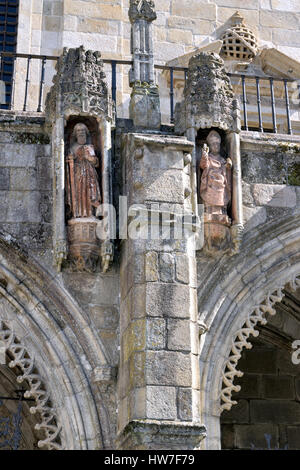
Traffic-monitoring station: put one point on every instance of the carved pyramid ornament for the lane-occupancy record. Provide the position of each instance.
(239, 42)
(80, 82)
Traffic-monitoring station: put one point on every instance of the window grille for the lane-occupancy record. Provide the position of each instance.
(8, 43)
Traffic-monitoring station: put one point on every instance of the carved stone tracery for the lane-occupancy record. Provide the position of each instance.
(37, 390)
(241, 338)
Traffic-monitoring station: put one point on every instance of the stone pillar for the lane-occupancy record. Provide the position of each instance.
(144, 104)
(158, 384)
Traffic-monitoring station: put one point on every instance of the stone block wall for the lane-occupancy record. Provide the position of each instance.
(46, 26)
(270, 175)
(26, 184)
(267, 415)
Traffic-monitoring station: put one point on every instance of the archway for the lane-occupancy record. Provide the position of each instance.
(267, 410)
(56, 350)
(231, 308)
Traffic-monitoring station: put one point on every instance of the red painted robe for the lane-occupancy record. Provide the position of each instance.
(83, 191)
(215, 187)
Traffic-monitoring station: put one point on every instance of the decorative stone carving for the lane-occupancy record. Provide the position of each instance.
(83, 191)
(145, 103)
(37, 390)
(208, 96)
(241, 341)
(142, 10)
(215, 191)
(80, 95)
(79, 86)
(239, 42)
(209, 103)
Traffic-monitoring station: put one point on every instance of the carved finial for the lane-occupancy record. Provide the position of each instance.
(237, 19)
(142, 9)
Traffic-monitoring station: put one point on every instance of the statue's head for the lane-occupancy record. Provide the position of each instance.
(214, 142)
(80, 133)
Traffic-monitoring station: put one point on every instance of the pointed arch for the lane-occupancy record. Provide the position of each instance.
(250, 286)
(51, 328)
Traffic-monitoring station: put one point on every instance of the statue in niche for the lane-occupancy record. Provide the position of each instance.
(83, 190)
(216, 180)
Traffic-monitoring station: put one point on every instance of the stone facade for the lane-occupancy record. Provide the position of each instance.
(149, 352)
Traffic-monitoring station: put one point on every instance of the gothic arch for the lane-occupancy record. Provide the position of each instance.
(47, 322)
(245, 288)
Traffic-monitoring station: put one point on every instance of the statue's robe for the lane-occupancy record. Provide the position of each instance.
(83, 190)
(215, 186)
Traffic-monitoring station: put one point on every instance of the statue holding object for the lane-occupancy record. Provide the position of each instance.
(83, 190)
(215, 187)
(83, 198)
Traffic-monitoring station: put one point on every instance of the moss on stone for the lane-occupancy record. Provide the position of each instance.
(288, 147)
(294, 174)
(30, 138)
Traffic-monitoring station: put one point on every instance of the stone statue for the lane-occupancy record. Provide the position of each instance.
(83, 190)
(215, 186)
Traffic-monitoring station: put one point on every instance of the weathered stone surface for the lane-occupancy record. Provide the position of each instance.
(168, 368)
(293, 437)
(161, 403)
(161, 435)
(184, 400)
(259, 361)
(167, 300)
(263, 168)
(238, 414)
(167, 267)
(151, 266)
(274, 411)
(278, 387)
(156, 333)
(254, 436)
(182, 269)
(4, 179)
(274, 195)
(179, 336)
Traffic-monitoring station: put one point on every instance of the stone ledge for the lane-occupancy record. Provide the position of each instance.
(161, 435)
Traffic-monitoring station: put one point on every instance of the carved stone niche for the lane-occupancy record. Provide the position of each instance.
(209, 116)
(79, 116)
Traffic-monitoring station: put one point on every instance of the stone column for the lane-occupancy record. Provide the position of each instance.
(158, 384)
(144, 104)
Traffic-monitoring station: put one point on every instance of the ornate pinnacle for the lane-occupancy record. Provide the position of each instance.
(142, 10)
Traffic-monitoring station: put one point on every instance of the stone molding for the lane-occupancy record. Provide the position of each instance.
(227, 305)
(37, 389)
(161, 435)
(39, 308)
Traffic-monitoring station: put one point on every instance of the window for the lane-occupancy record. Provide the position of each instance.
(8, 43)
